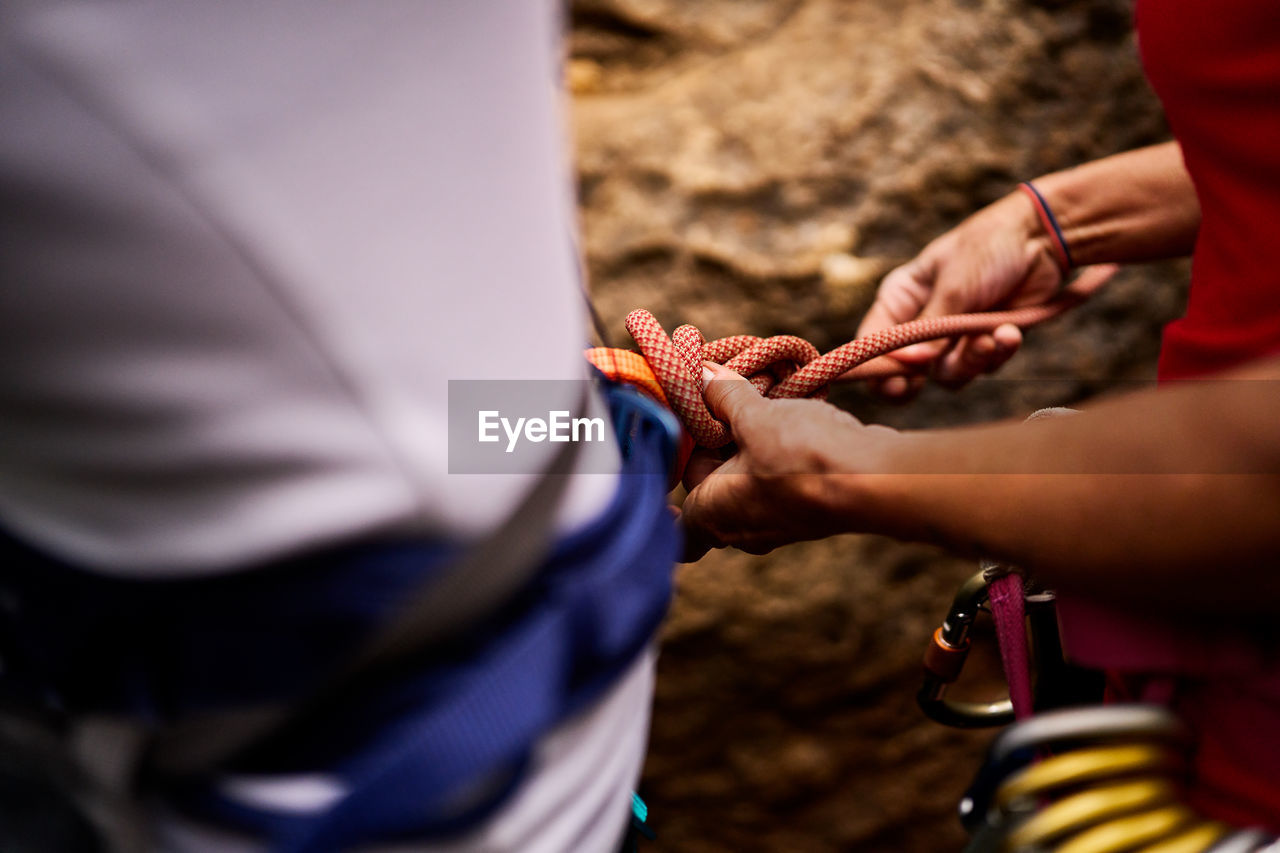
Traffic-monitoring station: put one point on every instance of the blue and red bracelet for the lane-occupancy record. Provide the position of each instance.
(1061, 253)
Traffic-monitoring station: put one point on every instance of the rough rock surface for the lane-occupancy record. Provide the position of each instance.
(756, 166)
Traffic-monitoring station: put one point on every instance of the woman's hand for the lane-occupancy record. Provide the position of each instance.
(789, 477)
(1131, 207)
(999, 257)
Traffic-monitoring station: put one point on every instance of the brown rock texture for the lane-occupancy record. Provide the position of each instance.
(756, 166)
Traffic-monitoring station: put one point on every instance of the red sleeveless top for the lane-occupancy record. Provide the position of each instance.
(1216, 66)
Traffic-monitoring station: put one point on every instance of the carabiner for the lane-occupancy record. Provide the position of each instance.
(944, 660)
(1088, 747)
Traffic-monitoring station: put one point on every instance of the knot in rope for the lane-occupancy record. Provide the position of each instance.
(788, 366)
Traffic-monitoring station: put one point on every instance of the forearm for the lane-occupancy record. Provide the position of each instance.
(1145, 493)
(1130, 207)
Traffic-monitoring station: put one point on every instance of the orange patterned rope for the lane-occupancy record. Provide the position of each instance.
(787, 366)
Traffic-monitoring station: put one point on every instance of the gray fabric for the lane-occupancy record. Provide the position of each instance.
(245, 246)
(1052, 412)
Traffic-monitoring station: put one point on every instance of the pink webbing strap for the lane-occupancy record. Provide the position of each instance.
(1007, 609)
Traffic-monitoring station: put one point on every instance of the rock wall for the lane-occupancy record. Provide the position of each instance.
(756, 166)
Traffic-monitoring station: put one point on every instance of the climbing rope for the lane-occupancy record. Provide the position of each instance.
(787, 366)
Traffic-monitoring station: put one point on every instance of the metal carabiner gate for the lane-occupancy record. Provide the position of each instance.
(944, 660)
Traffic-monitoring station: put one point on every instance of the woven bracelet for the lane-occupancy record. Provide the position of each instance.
(1059, 242)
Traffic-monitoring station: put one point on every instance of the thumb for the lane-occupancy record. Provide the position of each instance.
(1092, 278)
(728, 395)
(922, 353)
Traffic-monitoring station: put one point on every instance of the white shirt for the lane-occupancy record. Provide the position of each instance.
(243, 248)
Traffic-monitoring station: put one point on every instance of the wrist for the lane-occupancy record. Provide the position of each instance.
(913, 492)
(1018, 219)
(1049, 233)
(874, 490)
(1135, 206)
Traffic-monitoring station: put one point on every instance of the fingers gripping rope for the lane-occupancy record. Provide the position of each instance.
(787, 366)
